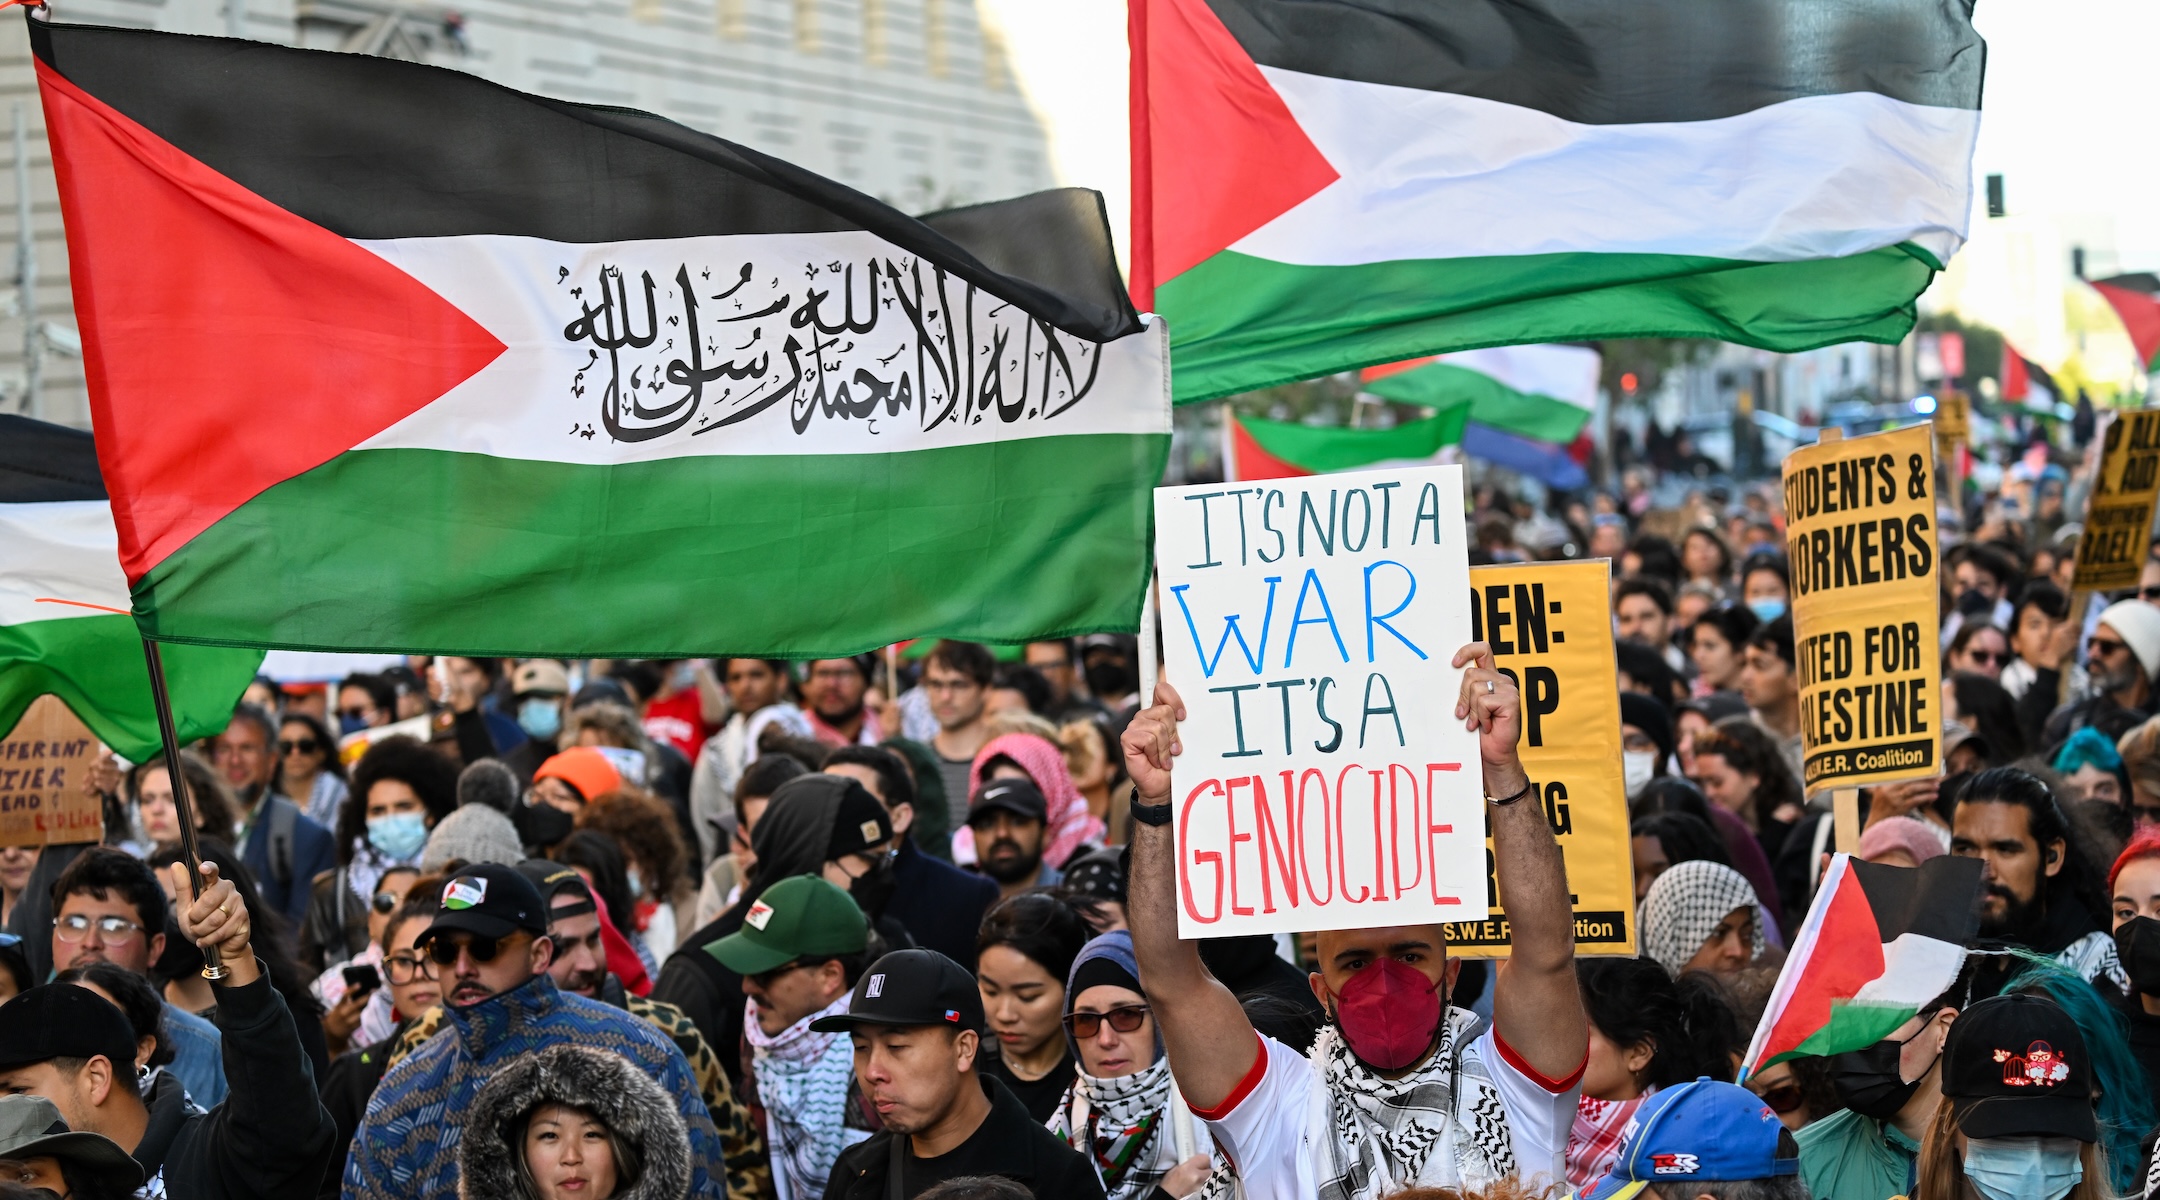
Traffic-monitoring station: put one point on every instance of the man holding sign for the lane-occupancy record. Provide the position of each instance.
(1395, 1095)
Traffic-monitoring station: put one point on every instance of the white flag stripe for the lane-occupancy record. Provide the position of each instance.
(1436, 175)
(1915, 970)
(1568, 373)
(64, 549)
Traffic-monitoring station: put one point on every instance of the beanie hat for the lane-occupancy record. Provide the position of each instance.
(1916, 838)
(472, 834)
(1648, 715)
(588, 772)
(2139, 624)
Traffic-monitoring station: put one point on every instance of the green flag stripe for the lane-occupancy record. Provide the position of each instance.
(1321, 449)
(95, 664)
(1487, 401)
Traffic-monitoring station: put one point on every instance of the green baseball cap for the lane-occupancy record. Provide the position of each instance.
(800, 917)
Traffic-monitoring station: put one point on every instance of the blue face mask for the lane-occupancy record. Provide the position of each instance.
(1766, 611)
(2023, 1168)
(349, 725)
(399, 835)
(540, 718)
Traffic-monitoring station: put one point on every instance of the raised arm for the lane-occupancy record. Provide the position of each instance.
(1204, 1030)
(1537, 1009)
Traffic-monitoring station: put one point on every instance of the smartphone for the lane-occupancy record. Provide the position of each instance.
(362, 979)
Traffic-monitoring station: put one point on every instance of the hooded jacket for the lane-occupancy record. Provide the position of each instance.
(601, 1085)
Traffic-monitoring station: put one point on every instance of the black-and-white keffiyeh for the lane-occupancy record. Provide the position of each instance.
(1385, 1129)
(1123, 1125)
(1686, 905)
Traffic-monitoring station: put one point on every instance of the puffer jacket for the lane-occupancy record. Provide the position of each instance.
(604, 1086)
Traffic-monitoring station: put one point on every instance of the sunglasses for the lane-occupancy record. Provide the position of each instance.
(306, 745)
(444, 950)
(1125, 1019)
(2149, 592)
(1783, 1098)
(385, 903)
(2103, 647)
(765, 979)
(1986, 658)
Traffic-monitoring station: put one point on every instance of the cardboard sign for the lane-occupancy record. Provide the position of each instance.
(1953, 418)
(1309, 625)
(2119, 514)
(1861, 541)
(42, 764)
(1550, 627)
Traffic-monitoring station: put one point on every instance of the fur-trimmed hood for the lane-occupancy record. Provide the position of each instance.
(615, 1091)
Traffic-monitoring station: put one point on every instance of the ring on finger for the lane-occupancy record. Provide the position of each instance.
(1489, 686)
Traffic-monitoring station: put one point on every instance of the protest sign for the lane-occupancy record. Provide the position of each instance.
(42, 764)
(1310, 626)
(1861, 544)
(1550, 627)
(2119, 514)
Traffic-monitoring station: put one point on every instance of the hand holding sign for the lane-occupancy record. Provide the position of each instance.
(1491, 704)
(1150, 742)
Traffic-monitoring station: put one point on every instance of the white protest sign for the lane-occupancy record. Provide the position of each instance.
(1309, 625)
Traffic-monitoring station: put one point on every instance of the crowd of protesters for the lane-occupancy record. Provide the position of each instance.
(893, 926)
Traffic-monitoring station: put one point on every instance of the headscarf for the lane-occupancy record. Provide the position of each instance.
(1070, 825)
(1685, 906)
(1916, 838)
(1120, 1124)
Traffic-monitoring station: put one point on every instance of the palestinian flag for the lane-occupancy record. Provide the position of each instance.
(1327, 184)
(64, 623)
(1263, 449)
(388, 357)
(1543, 393)
(1878, 942)
(2136, 299)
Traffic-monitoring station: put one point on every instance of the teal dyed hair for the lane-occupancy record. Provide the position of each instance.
(2124, 1107)
(2088, 746)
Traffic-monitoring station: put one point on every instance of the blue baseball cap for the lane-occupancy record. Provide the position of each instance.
(1702, 1131)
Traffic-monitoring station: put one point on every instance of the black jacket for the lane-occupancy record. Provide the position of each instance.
(346, 1088)
(270, 1138)
(1008, 1143)
(940, 905)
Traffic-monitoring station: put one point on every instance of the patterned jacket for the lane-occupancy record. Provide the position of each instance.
(749, 1176)
(407, 1147)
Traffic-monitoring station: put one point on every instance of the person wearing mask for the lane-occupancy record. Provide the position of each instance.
(568, 781)
(1643, 612)
(1702, 1139)
(365, 701)
(1717, 648)
(757, 698)
(1646, 741)
(1460, 1110)
(539, 695)
(400, 788)
(939, 904)
(1766, 586)
(43, 1153)
(1701, 916)
(1023, 955)
(956, 678)
(1122, 1111)
(270, 1138)
(2134, 895)
(1067, 823)
(835, 702)
(409, 978)
(2039, 891)
(1979, 648)
(571, 1123)
(108, 907)
(2121, 658)
(1106, 662)
(2015, 1121)
(491, 950)
(799, 961)
(1870, 1148)
(1646, 1033)
(915, 1022)
(308, 771)
(1771, 687)
(282, 846)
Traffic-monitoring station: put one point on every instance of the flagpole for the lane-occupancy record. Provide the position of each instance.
(1146, 650)
(214, 967)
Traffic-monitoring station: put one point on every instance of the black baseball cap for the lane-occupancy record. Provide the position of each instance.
(2016, 1066)
(1018, 796)
(488, 900)
(910, 987)
(60, 1020)
(554, 879)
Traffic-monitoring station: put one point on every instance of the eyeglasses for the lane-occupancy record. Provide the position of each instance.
(404, 968)
(74, 927)
(1986, 658)
(385, 903)
(306, 745)
(1783, 1098)
(444, 950)
(357, 714)
(1125, 1018)
(2149, 592)
(2103, 648)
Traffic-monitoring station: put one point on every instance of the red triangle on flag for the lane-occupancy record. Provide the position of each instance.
(229, 344)
(2140, 314)
(1248, 460)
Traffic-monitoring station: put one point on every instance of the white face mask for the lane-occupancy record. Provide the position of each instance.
(1638, 768)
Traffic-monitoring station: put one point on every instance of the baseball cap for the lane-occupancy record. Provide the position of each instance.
(910, 987)
(1704, 1131)
(552, 879)
(801, 917)
(1017, 796)
(488, 900)
(585, 769)
(860, 823)
(60, 1020)
(541, 675)
(2016, 1066)
(30, 1127)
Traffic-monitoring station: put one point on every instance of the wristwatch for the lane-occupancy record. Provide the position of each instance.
(1149, 814)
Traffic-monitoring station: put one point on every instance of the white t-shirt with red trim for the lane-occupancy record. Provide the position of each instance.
(1275, 1126)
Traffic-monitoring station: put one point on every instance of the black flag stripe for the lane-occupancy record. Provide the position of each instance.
(41, 463)
(1938, 899)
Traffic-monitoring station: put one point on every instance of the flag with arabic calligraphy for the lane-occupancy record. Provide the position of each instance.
(385, 356)
(64, 625)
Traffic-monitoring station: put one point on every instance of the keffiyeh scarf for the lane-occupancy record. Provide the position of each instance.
(1594, 1139)
(1686, 905)
(1385, 1129)
(802, 1082)
(1119, 1123)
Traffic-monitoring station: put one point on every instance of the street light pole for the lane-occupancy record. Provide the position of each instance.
(26, 275)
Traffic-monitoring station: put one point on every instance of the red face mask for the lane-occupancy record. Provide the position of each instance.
(1388, 1013)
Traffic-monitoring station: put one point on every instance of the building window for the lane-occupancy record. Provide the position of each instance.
(996, 67)
(729, 19)
(936, 53)
(806, 30)
(873, 31)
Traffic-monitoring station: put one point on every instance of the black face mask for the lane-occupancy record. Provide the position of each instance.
(2137, 942)
(1867, 1080)
(873, 888)
(1972, 603)
(541, 825)
(1108, 677)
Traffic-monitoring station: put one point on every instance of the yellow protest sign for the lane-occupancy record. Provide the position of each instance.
(1861, 543)
(42, 764)
(2119, 515)
(1550, 627)
(1953, 418)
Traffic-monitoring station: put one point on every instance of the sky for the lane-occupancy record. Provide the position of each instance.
(2066, 113)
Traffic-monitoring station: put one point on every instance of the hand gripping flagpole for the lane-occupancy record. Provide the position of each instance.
(214, 967)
